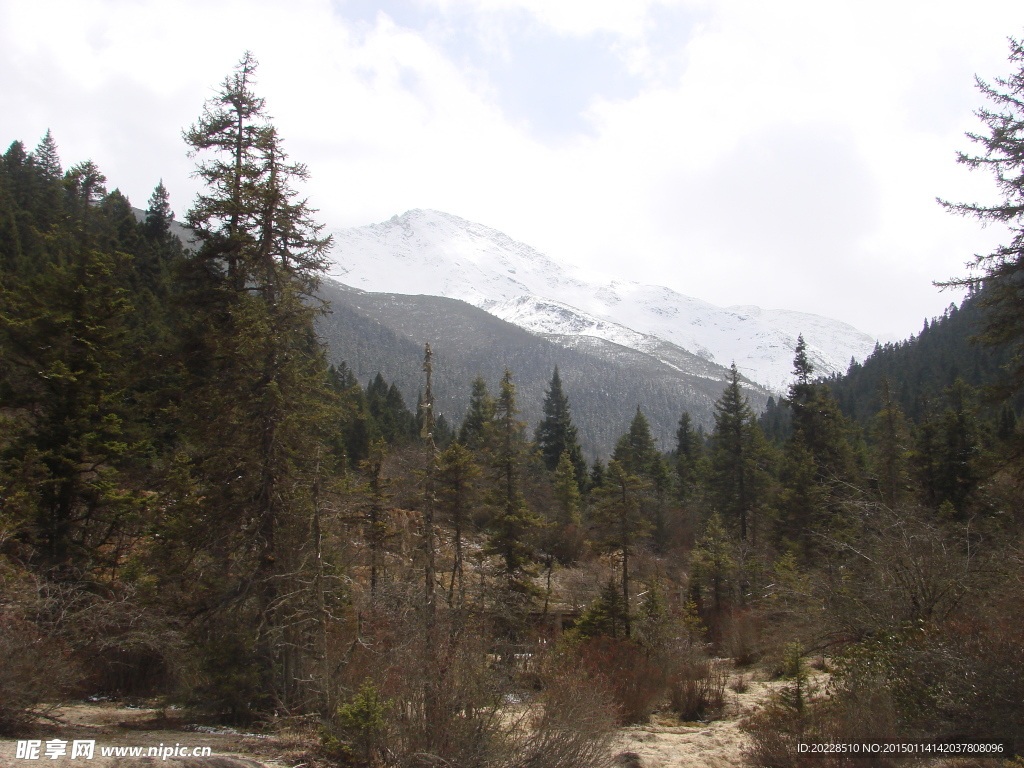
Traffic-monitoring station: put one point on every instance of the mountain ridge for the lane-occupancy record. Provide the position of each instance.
(425, 252)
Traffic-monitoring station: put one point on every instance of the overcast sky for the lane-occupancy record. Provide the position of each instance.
(786, 153)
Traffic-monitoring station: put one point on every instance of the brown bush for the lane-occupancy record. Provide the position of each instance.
(859, 711)
(574, 728)
(696, 688)
(448, 696)
(636, 678)
(35, 672)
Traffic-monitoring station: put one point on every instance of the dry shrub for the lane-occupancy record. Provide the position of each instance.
(853, 710)
(35, 672)
(122, 646)
(574, 728)
(446, 697)
(741, 638)
(696, 689)
(636, 678)
(740, 685)
(439, 698)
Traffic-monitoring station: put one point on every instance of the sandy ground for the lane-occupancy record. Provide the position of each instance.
(717, 744)
(115, 725)
(664, 743)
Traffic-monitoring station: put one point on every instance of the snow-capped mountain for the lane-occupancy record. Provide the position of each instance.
(425, 252)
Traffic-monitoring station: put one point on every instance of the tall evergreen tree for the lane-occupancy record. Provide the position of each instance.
(63, 369)
(556, 434)
(1003, 154)
(514, 525)
(159, 215)
(818, 462)
(635, 450)
(818, 423)
(258, 390)
(457, 476)
(47, 159)
(736, 478)
(567, 493)
(891, 449)
(621, 525)
(481, 411)
(688, 454)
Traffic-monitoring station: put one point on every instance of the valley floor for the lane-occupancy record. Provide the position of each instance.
(664, 743)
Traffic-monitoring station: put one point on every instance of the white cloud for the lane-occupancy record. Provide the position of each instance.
(783, 153)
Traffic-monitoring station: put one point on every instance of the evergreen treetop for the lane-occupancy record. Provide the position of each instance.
(635, 450)
(1003, 154)
(556, 434)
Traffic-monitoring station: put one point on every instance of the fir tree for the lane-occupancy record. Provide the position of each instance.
(620, 523)
(567, 493)
(376, 530)
(159, 215)
(478, 417)
(1000, 271)
(688, 454)
(736, 447)
(635, 450)
(85, 184)
(818, 423)
(607, 616)
(818, 463)
(515, 524)
(63, 334)
(257, 381)
(891, 438)
(46, 158)
(714, 564)
(556, 434)
(456, 476)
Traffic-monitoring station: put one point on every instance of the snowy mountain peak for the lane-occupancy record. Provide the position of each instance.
(435, 253)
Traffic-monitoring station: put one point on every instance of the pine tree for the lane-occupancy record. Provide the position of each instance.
(606, 616)
(376, 530)
(621, 525)
(714, 563)
(478, 417)
(556, 434)
(515, 524)
(355, 428)
(1000, 271)
(63, 369)
(258, 387)
(736, 479)
(46, 158)
(688, 454)
(567, 492)
(947, 451)
(456, 477)
(159, 214)
(891, 449)
(635, 450)
(818, 463)
(818, 423)
(393, 419)
(85, 184)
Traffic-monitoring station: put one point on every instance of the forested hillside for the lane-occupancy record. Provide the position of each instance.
(197, 504)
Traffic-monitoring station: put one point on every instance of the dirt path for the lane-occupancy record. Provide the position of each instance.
(718, 744)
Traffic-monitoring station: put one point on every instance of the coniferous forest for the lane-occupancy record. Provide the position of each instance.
(196, 508)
